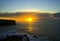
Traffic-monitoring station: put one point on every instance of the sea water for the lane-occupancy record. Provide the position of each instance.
(43, 28)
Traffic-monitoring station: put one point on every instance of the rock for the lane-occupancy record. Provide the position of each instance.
(4, 22)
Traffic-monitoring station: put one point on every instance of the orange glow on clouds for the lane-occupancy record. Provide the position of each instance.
(30, 10)
(29, 19)
(34, 10)
(26, 18)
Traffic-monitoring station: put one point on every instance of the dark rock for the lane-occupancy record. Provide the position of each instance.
(12, 38)
(27, 38)
(4, 22)
(35, 36)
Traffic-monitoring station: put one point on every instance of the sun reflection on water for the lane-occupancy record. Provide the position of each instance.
(29, 27)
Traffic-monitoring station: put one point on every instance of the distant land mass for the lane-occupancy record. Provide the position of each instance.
(5, 22)
(57, 15)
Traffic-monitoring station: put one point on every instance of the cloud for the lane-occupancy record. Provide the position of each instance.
(34, 10)
(30, 10)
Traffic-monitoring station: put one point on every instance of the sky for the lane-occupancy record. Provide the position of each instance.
(15, 5)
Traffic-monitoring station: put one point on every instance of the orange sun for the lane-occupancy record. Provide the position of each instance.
(28, 19)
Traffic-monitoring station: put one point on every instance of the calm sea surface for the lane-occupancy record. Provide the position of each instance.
(44, 28)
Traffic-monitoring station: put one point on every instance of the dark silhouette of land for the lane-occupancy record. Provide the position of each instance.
(5, 22)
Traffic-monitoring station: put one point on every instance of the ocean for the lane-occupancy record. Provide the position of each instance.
(49, 28)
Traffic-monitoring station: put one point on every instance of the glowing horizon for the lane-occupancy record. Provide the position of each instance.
(33, 10)
(29, 10)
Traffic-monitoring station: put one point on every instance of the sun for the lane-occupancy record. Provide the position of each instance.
(29, 19)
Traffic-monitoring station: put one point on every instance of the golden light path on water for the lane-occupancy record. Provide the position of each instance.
(29, 21)
(30, 28)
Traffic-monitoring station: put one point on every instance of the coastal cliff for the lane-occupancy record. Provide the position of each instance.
(4, 22)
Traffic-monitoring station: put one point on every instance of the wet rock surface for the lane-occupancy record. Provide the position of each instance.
(16, 36)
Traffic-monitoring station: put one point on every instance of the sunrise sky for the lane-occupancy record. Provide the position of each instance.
(18, 5)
